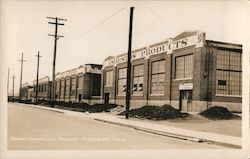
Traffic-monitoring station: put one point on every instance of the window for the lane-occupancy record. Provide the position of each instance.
(138, 79)
(228, 73)
(62, 87)
(158, 77)
(184, 67)
(73, 86)
(80, 82)
(57, 86)
(109, 78)
(67, 87)
(45, 87)
(122, 79)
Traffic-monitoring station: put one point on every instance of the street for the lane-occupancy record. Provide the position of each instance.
(31, 128)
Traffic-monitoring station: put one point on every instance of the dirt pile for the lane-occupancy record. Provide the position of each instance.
(81, 107)
(156, 113)
(217, 113)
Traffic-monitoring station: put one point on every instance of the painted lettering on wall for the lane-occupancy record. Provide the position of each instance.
(167, 47)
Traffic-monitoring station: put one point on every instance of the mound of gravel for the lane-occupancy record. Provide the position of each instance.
(102, 107)
(155, 112)
(217, 113)
(81, 107)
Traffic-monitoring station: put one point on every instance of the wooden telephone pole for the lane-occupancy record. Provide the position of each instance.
(13, 86)
(21, 76)
(128, 84)
(54, 57)
(37, 74)
(8, 82)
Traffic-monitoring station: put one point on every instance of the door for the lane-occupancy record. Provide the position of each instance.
(106, 98)
(80, 97)
(186, 101)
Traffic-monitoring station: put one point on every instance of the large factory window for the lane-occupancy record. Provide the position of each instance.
(62, 87)
(228, 73)
(158, 77)
(184, 67)
(138, 79)
(109, 78)
(67, 87)
(73, 86)
(80, 82)
(57, 86)
(122, 78)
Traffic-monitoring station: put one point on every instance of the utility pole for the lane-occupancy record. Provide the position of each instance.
(21, 76)
(54, 57)
(128, 93)
(8, 82)
(13, 86)
(37, 74)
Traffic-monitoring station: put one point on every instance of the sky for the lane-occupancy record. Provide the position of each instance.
(95, 30)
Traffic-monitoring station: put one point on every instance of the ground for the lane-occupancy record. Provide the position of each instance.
(37, 129)
(198, 123)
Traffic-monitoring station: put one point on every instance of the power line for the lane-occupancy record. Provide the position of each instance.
(159, 17)
(95, 26)
(91, 29)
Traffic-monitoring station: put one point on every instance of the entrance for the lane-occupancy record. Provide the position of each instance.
(186, 100)
(106, 98)
(80, 97)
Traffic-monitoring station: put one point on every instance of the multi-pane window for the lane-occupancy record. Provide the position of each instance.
(138, 79)
(45, 87)
(122, 79)
(80, 82)
(228, 73)
(109, 78)
(67, 87)
(62, 87)
(184, 67)
(158, 77)
(73, 86)
(57, 86)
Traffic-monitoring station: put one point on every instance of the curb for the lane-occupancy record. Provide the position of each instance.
(167, 134)
(44, 108)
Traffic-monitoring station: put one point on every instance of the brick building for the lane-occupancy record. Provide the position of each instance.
(25, 91)
(44, 89)
(81, 84)
(187, 71)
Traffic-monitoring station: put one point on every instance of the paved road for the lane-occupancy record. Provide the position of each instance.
(39, 129)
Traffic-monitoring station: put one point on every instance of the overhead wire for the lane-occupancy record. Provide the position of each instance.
(96, 26)
(91, 29)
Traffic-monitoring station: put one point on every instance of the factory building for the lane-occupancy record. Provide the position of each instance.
(80, 84)
(44, 89)
(188, 72)
(26, 91)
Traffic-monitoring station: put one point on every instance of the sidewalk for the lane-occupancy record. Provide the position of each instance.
(170, 131)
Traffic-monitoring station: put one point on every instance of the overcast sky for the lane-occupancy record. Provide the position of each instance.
(95, 30)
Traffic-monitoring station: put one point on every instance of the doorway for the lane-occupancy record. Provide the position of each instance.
(106, 98)
(79, 97)
(186, 100)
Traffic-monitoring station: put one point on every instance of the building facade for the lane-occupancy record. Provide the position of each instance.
(44, 89)
(81, 84)
(188, 72)
(25, 91)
